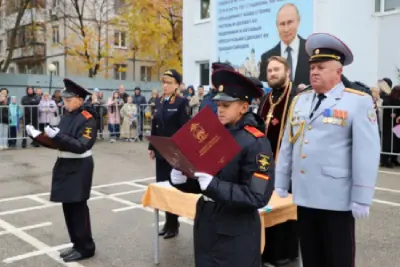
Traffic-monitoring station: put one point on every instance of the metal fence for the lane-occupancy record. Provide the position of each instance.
(112, 126)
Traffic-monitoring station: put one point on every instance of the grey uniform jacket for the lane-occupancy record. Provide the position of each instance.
(332, 159)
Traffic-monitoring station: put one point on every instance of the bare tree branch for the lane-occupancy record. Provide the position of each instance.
(13, 36)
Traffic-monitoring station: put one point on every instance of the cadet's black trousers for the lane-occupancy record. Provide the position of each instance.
(77, 218)
(326, 237)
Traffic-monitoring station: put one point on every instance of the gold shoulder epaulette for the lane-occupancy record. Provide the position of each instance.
(354, 91)
(305, 92)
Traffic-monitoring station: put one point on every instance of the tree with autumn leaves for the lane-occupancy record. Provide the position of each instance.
(154, 30)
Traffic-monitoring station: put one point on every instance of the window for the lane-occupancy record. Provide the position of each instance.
(386, 5)
(120, 71)
(55, 35)
(57, 64)
(204, 9)
(55, 3)
(120, 39)
(145, 74)
(205, 73)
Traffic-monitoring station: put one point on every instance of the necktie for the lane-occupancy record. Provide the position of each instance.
(320, 98)
(290, 61)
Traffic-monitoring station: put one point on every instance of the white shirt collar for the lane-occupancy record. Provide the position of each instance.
(339, 86)
(295, 44)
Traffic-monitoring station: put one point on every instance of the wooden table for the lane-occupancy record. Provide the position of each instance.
(162, 196)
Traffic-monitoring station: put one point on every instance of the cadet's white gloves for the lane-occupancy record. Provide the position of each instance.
(51, 132)
(177, 177)
(204, 179)
(31, 131)
(360, 211)
(282, 193)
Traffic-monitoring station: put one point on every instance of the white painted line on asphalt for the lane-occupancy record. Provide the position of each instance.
(389, 172)
(387, 190)
(29, 227)
(40, 200)
(137, 185)
(94, 187)
(395, 204)
(50, 205)
(128, 192)
(36, 253)
(116, 199)
(122, 183)
(125, 208)
(35, 243)
(8, 212)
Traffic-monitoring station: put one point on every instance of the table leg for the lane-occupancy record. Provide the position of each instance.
(156, 237)
(300, 259)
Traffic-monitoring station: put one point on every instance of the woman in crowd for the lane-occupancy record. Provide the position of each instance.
(390, 118)
(129, 116)
(47, 111)
(15, 114)
(114, 105)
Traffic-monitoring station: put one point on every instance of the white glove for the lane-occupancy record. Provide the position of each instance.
(51, 132)
(204, 179)
(177, 177)
(360, 211)
(31, 131)
(282, 193)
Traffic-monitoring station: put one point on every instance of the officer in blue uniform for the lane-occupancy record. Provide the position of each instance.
(330, 152)
(208, 98)
(171, 113)
(73, 171)
(227, 227)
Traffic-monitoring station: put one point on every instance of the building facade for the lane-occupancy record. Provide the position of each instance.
(369, 28)
(50, 32)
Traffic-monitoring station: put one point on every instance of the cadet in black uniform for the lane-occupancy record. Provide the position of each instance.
(171, 113)
(73, 170)
(227, 227)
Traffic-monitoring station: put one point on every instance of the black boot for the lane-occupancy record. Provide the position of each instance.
(163, 231)
(66, 252)
(173, 226)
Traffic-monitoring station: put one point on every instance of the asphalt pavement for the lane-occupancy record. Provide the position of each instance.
(32, 229)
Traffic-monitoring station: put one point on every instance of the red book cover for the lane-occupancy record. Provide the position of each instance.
(202, 144)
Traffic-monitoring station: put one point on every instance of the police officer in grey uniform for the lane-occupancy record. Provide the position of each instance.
(330, 152)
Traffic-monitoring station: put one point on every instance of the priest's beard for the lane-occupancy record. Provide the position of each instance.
(277, 83)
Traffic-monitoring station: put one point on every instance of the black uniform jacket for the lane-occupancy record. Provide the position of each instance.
(227, 231)
(72, 177)
(170, 115)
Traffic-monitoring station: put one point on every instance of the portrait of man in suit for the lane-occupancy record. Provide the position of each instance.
(291, 46)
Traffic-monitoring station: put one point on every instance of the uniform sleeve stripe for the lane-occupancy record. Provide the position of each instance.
(261, 176)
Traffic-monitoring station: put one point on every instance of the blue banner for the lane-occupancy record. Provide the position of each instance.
(248, 29)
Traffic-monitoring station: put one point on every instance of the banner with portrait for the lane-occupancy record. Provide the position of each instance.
(250, 31)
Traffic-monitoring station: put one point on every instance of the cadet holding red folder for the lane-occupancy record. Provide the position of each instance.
(227, 226)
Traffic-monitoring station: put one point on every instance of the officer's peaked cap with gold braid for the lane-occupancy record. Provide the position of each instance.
(324, 47)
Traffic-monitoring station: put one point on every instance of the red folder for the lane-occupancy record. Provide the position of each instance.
(201, 145)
